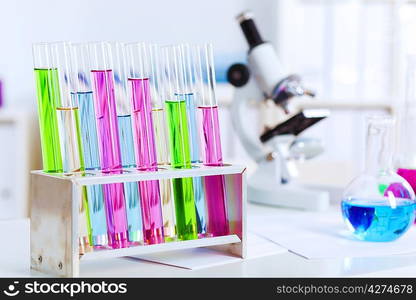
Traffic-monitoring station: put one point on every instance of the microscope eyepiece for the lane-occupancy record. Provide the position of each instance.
(238, 75)
(249, 29)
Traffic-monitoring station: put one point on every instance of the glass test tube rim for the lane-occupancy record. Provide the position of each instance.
(172, 56)
(97, 62)
(81, 63)
(206, 79)
(48, 46)
(64, 63)
(149, 69)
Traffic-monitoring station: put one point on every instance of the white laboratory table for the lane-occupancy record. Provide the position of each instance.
(14, 262)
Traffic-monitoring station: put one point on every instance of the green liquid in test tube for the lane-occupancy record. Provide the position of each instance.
(47, 86)
(183, 190)
(59, 121)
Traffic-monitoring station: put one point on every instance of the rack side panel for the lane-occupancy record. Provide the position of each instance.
(51, 238)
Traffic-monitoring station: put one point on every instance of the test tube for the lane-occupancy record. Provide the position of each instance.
(161, 139)
(131, 193)
(190, 96)
(67, 111)
(108, 141)
(180, 152)
(215, 192)
(141, 81)
(48, 96)
(69, 134)
(162, 147)
(83, 95)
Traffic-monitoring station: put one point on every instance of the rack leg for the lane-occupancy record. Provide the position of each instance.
(236, 206)
(53, 238)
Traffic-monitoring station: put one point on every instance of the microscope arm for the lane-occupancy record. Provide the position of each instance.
(242, 126)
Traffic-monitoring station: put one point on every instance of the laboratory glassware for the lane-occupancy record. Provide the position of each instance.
(67, 111)
(69, 134)
(59, 122)
(141, 79)
(191, 99)
(124, 119)
(83, 95)
(215, 189)
(161, 139)
(379, 205)
(108, 141)
(406, 164)
(48, 96)
(180, 152)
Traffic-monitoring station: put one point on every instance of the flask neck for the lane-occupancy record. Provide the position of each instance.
(380, 145)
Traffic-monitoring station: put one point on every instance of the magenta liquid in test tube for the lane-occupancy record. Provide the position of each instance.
(215, 192)
(141, 82)
(108, 142)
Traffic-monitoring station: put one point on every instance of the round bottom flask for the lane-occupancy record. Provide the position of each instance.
(379, 205)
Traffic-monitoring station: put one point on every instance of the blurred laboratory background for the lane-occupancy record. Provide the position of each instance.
(351, 53)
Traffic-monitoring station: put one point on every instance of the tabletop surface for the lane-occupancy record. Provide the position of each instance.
(15, 260)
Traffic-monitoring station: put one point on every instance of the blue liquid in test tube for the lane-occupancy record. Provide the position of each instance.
(92, 162)
(195, 158)
(131, 193)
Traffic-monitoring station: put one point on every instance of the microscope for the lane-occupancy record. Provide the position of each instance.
(277, 149)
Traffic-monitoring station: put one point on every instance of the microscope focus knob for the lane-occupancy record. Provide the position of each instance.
(238, 75)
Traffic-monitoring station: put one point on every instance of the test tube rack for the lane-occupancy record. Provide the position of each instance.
(55, 210)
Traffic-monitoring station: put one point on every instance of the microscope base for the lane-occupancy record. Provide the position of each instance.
(291, 196)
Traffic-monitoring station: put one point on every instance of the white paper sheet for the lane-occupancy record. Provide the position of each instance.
(194, 259)
(200, 258)
(258, 246)
(324, 235)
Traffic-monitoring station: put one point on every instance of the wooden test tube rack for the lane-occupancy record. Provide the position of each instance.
(55, 199)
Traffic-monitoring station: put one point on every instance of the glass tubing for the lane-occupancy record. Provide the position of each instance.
(59, 121)
(48, 99)
(190, 96)
(124, 120)
(108, 141)
(187, 82)
(211, 149)
(141, 81)
(84, 96)
(180, 151)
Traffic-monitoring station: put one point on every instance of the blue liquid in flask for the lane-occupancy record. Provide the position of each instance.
(378, 220)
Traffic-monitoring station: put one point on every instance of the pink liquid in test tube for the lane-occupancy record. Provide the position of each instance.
(214, 185)
(110, 157)
(146, 159)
